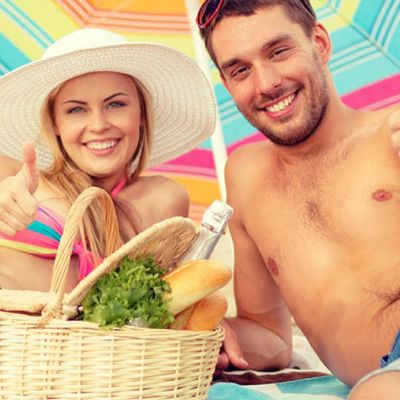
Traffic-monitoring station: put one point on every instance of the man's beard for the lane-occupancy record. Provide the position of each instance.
(310, 120)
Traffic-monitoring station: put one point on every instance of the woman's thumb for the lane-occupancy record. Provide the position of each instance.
(29, 168)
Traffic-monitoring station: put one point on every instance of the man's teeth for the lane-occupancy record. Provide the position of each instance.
(102, 145)
(281, 105)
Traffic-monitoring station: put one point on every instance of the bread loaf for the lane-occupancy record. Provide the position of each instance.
(203, 315)
(182, 319)
(194, 280)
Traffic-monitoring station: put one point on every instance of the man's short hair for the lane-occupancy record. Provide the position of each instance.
(295, 9)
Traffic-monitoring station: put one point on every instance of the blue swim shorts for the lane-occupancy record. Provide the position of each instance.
(394, 354)
(390, 362)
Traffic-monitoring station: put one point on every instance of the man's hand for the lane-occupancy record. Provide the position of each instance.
(231, 354)
(394, 126)
(17, 202)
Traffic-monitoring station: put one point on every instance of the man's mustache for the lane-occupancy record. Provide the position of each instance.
(279, 93)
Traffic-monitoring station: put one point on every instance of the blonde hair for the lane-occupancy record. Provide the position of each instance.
(66, 178)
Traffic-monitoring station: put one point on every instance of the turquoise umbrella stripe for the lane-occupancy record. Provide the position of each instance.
(10, 56)
(393, 32)
(393, 47)
(26, 23)
(343, 56)
(370, 15)
(359, 61)
(352, 40)
(227, 106)
(388, 16)
(235, 130)
(355, 52)
(3, 69)
(238, 130)
(356, 78)
(379, 20)
(228, 111)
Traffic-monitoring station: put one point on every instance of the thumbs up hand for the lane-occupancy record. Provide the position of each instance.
(17, 202)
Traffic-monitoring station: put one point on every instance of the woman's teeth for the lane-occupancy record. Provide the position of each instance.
(101, 145)
(281, 105)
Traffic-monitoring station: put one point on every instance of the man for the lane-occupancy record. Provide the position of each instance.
(316, 227)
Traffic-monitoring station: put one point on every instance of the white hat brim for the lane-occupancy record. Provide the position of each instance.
(182, 97)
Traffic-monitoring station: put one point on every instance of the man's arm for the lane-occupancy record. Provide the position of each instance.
(394, 128)
(263, 323)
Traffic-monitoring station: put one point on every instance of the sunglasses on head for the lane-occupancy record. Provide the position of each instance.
(210, 9)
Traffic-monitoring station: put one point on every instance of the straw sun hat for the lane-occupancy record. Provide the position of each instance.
(183, 100)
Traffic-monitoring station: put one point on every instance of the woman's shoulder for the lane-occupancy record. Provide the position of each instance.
(153, 184)
(158, 197)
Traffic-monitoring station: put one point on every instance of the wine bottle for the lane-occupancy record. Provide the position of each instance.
(213, 225)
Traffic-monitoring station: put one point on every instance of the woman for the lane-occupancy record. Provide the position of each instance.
(107, 108)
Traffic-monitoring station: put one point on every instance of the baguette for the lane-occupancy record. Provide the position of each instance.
(194, 280)
(203, 315)
(182, 319)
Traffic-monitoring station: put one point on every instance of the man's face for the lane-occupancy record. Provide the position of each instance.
(273, 72)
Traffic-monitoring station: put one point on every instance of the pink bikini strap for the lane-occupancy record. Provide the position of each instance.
(118, 188)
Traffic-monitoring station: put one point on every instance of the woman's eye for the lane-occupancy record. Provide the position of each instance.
(116, 104)
(74, 110)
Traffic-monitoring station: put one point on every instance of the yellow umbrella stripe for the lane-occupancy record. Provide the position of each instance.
(46, 13)
(20, 38)
(25, 33)
(335, 18)
(170, 7)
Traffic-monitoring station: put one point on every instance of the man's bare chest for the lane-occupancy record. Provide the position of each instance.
(335, 231)
(351, 195)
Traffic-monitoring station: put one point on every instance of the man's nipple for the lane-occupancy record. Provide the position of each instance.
(273, 267)
(382, 195)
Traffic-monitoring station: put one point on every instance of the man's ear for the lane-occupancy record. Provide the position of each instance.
(322, 42)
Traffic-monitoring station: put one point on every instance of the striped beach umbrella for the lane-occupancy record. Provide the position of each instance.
(365, 63)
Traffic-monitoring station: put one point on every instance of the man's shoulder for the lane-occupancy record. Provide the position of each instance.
(256, 151)
(247, 163)
(377, 122)
(383, 114)
(391, 109)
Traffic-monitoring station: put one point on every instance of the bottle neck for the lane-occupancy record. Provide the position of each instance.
(204, 244)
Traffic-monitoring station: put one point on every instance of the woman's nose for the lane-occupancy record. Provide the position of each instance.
(98, 121)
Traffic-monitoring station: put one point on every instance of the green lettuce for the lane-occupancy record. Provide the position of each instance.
(133, 292)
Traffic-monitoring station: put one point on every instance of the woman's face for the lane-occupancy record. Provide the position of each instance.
(98, 120)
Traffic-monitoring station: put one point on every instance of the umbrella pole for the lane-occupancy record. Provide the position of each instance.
(217, 139)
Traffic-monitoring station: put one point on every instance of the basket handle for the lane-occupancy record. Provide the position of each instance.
(63, 257)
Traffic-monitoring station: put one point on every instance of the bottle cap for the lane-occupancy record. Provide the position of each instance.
(216, 216)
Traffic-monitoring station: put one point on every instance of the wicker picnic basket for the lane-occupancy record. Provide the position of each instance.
(43, 355)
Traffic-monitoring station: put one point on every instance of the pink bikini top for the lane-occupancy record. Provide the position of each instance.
(42, 237)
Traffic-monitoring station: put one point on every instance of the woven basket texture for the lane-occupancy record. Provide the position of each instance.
(48, 356)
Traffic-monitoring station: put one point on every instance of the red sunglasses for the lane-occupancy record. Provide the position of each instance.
(210, 9)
